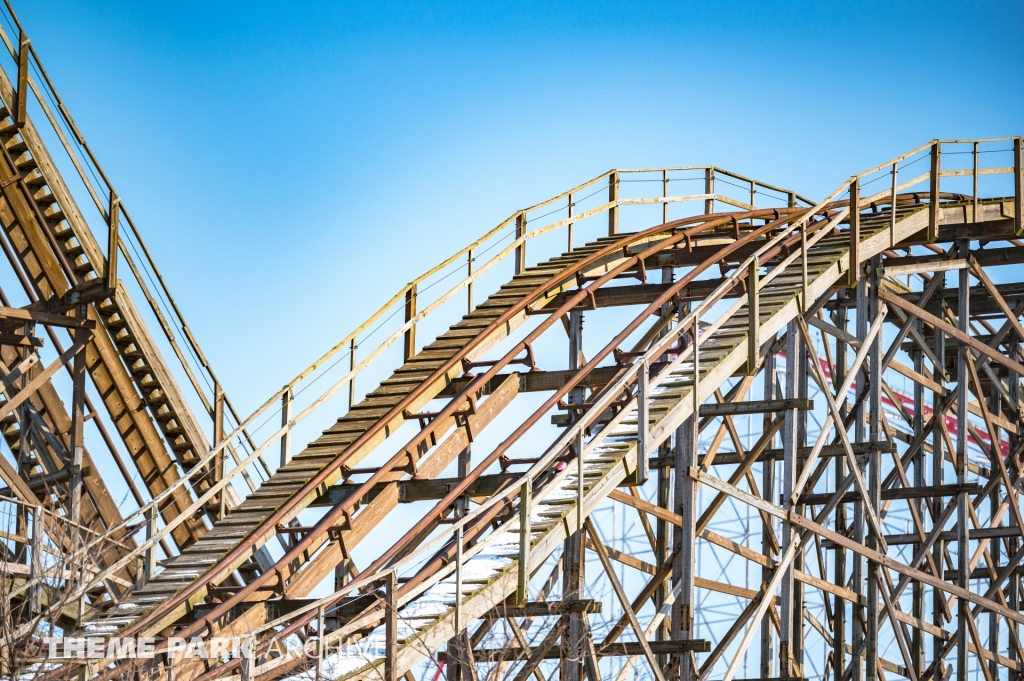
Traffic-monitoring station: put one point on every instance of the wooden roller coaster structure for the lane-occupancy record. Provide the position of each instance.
(517, 498)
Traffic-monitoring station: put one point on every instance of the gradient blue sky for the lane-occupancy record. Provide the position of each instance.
(276, 155)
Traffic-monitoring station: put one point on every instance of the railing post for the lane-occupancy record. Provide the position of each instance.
(570, 224)
(469, 287)
(580, 489)
(974, 173)
(709, 189)
(933, 208)
(1018, 188)
(853, 273)
(520, 262)
(753, 318)
(696, 362)
(664, 195)
(36, 568)
(458, 579)
(525, 501)
(642, 433)
(218, 435)
(140, 572)
(613, 198)
(149, 566)
(21, 96)
(391, 627)
(410, 313)
(803, 266)
(352, 367)
(248, 667)
(112, 240)
(892, 216)
(78, 421)
(320, 644)
(286, 418)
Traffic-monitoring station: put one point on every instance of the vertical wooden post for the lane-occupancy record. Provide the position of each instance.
(458, 579)
(248, 667)
(1018, 188)
(933, 207)
(410, 313)
(858, 616)
(1013, 543)
(994, 503)
(469, 286)
(391, 627)
(662, 547)
(520, 255)
(580, 478)
(320, 644)
(352, 367)
(286, 419)
(464, 465)
(21, 96)
(525, 501)
(574, 553)
(840, 574)
(753, 318)
(685, 564)
(613, 198)
(709, 189)
(643, 435)
(938, 463)
(767, 533)
(36, 567)
(149, 566)
(788, 619)
(113, 238)
(78, 420)
(874, 474)
(218, 435)
(696, 363)
(917, 604)
(962, 514)
(853, 273)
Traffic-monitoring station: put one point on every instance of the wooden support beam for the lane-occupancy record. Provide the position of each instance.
(546, 608)
(621, 649)
(933, 492)
(828, 451)
(950, 535)
(28, 315)
(412, 490)
(755, 407)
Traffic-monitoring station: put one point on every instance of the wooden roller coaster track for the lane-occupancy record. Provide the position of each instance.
(467, 516)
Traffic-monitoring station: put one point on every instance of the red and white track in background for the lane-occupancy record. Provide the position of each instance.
(978, 432)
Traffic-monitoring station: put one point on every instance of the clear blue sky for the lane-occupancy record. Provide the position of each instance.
(278, 155)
